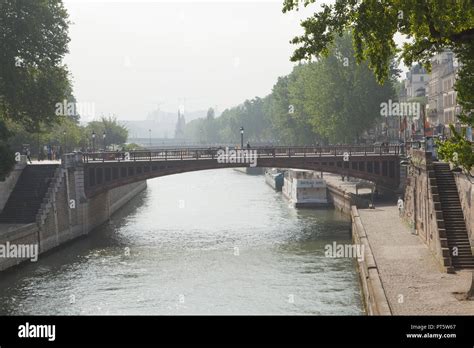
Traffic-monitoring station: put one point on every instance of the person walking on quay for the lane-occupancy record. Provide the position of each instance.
(400, 206)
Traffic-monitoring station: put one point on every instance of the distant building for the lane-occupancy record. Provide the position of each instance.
(406, 124)
(162, 125)
(442, 105)
(415, 84)
(180, 126)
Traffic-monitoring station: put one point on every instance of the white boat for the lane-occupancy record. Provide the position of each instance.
(304, 188)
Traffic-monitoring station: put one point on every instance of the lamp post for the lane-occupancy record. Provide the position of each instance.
(65, 143)
(423, 121)
(241, 137)
(93, 141)
(103, 136)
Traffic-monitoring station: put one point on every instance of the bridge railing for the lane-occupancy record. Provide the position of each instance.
(260, 152)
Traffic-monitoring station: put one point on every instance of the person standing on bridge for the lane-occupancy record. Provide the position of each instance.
(248, 145)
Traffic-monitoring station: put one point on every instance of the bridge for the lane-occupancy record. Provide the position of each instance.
(106, 170)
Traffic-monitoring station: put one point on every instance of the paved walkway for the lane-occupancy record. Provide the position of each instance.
(414, 283)
(348, 186)
(46, 162)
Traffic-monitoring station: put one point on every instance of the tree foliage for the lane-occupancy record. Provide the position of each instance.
(33, 42)
(330, 100)
(457, 150)
(115, 133)
(68, 135)
(430, 25)
(465, 83)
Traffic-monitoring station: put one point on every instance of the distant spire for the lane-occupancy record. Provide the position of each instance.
(180, 126)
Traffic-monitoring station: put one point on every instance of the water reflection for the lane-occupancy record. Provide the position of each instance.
(210, 242)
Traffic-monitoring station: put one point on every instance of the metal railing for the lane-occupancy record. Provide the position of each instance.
(259, 152)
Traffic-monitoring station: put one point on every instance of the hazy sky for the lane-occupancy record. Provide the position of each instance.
(128, 57)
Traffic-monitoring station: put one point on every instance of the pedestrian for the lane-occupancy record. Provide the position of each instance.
(28, 154)
(400, 206)
(248, 145)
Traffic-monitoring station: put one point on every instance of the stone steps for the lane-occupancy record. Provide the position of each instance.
(27, 196)
(453, 216)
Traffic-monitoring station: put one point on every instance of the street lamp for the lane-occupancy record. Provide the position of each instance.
(103, 136)
(93, 141)
(65, 142)
(241, 137)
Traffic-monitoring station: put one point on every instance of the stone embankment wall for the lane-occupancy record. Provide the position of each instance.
(423, 208)
(66, 212)
(376, 302)
(466, 195)
(7, 185)
(26, 234)
(343, 200)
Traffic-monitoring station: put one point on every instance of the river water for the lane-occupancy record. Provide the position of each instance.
(209, 242)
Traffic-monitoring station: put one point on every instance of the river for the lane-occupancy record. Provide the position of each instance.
(208, 242)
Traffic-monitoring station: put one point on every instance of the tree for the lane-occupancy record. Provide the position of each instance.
(33, 42)
(115, 133)
(431, 26)
(209, 127)
(288, 113)
(465, 83)
(458, 151)
(66, 133)
(34, 39)
(335, 97)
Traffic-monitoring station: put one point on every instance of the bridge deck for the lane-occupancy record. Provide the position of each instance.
(106, 170)
(258, 152)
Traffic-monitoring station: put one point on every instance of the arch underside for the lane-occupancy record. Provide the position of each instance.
(99, 177)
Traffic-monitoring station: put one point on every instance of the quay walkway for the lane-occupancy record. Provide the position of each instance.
(413, 281)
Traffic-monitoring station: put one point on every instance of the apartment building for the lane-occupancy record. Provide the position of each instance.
(416, 83)
(442, 106)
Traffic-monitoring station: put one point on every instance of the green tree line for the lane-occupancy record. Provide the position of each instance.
(67, 134)
(34, 37)
(331, 100)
